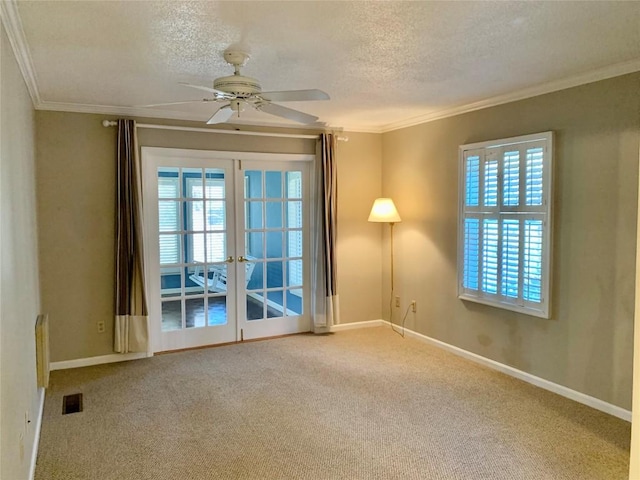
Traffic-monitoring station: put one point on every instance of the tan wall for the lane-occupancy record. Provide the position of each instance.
(359, 242)
(76, 175)
(19, 290)
(587, 344)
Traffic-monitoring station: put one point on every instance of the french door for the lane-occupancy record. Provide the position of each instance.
(226, 246)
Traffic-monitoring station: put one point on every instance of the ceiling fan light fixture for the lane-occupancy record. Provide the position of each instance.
(237, 106)
(241, 91)
(237, 85)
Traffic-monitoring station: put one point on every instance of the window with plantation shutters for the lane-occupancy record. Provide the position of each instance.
(504, 246)
(169, 219)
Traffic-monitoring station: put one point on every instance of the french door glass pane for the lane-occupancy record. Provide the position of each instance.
(273, 181)
(168, 216)
(274, 274)
(194, 218)
(294, 214)
(217, 311)
(170, 282)
(216, 248)
(253, 184)
(194, 312)
(255, 307)
(256, 282)
(215, 215)
(192, 178)
(275, 302)
(294, 273)
(294, 184)
(194, 246)
(294, 301)
(253, 215)
(253, 244)
(294, 243)
(274, 244)
(274, 215)
(170, 251)
(214, 183)
(192, 284)
(217, 278)
(168, 183)
(171, 315)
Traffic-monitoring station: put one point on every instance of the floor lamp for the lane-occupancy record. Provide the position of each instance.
(384, 211)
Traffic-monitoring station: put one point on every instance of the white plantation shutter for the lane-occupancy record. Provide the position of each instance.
(209, 245)
(510, 257)
(471, 252)
(490, 240)
(169, 219)
(505, 223)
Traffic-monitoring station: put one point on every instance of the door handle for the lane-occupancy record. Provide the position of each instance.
(242, 259)
(229, 259)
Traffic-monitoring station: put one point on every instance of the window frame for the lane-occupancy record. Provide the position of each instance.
(501, 212)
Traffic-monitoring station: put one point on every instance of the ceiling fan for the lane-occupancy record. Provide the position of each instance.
(237, 92)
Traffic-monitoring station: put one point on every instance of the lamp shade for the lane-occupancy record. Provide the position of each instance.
(384, 210)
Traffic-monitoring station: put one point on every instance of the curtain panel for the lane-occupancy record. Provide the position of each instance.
(325, 300)
(131, 327)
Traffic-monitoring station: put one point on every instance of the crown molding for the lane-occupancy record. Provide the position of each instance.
(549, 87)
(142, 112)
(362, 129)
(13, 27)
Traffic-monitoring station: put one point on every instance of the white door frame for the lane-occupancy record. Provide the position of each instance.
(634, 461)
(149, 157)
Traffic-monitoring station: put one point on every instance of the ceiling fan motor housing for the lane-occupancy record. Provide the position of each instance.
(237, 85)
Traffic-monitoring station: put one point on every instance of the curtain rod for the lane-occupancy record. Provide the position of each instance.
(112, 123)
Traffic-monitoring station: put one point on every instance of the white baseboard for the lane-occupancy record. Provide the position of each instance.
(87, 362)
(501, 367)
(36, 435)
(350, 326)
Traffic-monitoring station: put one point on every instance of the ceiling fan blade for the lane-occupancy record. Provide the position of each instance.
(295, 95)
(222, 115)
(176, 103)
(285, 112)
(219, 94)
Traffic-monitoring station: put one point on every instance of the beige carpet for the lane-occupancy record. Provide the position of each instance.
(360, 404)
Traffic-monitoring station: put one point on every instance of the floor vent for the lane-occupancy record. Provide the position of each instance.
(72, 403)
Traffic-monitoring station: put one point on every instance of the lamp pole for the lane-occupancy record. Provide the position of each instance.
(392, 289)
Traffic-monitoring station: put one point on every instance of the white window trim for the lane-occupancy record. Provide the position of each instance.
(542, 309)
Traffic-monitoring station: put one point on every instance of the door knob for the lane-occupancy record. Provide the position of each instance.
(229, 259)
(242, 259)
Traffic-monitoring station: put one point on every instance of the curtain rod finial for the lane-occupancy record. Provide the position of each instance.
(109, 123)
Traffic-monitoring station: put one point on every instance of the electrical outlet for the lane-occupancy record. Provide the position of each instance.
(414, 306)
(101, 328)
(398, 302)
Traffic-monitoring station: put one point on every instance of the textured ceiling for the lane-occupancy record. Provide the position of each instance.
(384, 64)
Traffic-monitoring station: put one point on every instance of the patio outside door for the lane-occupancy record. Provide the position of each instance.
(226, 246)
